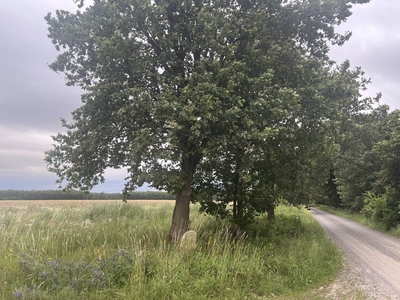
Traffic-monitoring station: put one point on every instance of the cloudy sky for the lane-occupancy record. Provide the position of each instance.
(33, 98)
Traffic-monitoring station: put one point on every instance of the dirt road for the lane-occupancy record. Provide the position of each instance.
(373, 257)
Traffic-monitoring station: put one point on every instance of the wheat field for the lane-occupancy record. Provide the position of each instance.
(53, 203)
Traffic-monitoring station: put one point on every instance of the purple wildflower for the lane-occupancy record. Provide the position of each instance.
(18, 295)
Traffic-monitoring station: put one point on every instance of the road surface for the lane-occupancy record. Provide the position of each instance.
(372, 255)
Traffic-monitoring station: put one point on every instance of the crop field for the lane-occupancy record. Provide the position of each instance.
(53, 203)
(103, 249)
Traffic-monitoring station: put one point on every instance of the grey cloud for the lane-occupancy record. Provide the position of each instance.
(31, 95)
(33, 98)
(374, 46)
(22, 162)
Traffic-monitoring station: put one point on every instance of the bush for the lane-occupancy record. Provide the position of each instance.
(78, 276)
(375, 207)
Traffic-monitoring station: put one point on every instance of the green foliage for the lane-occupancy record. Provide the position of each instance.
(128, 257)
(389, 153)
(233, 98)
(355, 166)
(375, 207)
(79, 277)
(290, 226)
(331, 191)
(368, 165)
(252, 174)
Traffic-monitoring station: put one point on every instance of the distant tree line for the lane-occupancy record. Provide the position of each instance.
(77, 195)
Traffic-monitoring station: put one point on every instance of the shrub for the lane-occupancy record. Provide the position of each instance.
(375, 207)
(79, 276)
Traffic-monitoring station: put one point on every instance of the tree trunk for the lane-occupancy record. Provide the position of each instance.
(180, 217)
(237, 201)
(234, 208)
(271, 214)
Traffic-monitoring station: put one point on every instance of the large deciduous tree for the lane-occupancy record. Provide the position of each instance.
(252, 171)
(168, 82)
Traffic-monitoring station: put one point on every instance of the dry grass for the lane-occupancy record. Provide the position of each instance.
(52, 203)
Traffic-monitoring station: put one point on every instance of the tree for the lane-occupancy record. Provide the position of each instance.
(165, 82)
(388, 150)
(357, 166)
(252, 172)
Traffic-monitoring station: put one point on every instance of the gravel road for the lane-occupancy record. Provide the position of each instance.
(373, 257)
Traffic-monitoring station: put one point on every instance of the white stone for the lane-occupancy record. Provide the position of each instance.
(188, 241)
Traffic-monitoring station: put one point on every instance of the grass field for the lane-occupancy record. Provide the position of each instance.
(53, 203)
(90, 250)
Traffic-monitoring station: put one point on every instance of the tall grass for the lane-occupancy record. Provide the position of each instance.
(121, 252)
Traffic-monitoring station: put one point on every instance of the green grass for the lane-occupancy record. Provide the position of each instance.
(121, 252)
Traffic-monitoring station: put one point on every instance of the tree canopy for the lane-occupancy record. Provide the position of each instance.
(211, 94)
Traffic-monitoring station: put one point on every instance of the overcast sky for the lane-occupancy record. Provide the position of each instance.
(33, 98)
